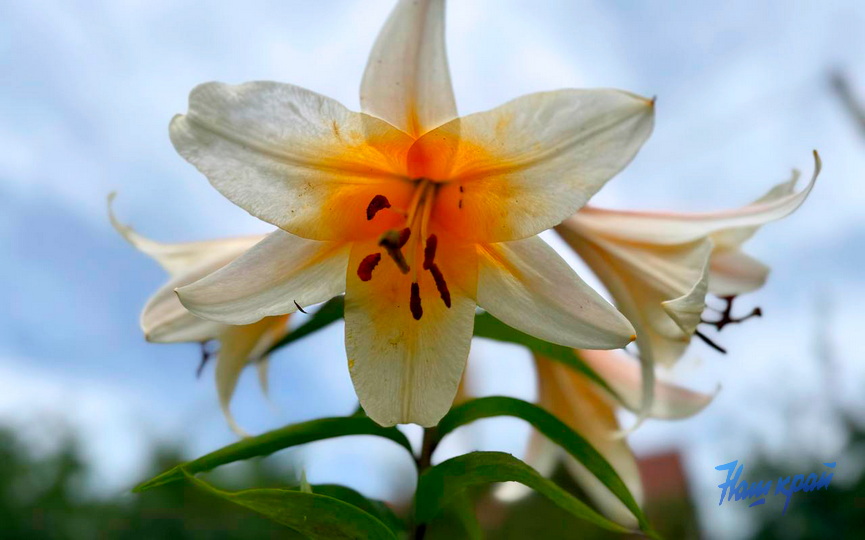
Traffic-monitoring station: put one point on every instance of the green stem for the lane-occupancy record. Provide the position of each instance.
(424, 461)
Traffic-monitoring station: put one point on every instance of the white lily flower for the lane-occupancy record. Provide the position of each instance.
(417, 215)
(590, 410)
(659, 266)
(165, 320)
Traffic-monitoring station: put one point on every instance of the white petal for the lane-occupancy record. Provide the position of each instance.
(407, 81)
(677, 228)
(238, 346)
(406, 370)
(272, 278)
(687, 310)
(291, 157)
(528, 286)
(732, 273)
(180, 259)
(165, 320)
(523, 167)
(622, 373)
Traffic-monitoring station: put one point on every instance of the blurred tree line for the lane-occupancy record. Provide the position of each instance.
(42, 499)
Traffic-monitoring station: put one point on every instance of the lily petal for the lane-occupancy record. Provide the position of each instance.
(676, 228)
(581, 405)
(407, 81)
(165, 320)
(406, 370)
(240, 345)
(522, 168)
(273, 278)
(641, 278)
(528, 286)
(622, 373)
(732, 272)
(182, 258)
(294, 158)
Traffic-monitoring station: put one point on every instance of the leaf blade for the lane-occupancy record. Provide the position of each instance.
(315, 515)
(555, 430)
(452, 477)
(278, 439)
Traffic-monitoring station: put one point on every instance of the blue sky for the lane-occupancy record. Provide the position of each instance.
(89, 88)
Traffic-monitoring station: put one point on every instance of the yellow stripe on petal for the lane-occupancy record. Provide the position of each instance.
(406, 348)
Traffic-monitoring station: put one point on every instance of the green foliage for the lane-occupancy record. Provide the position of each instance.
(443, 506)
(314, 515)
(555, 430)
(279, 439)
(439, 484)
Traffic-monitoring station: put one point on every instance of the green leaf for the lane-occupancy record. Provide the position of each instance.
(330, 312)
(487, 326)
(375, 508)
(438, 485)
(315, 515)
(456, 520)
(555, 430)
(278, 439)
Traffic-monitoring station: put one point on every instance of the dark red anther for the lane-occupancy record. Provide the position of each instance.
(414, 303)
(403, 237)
(367, 265)
(441, 284)
(429, 252)
(379, 202)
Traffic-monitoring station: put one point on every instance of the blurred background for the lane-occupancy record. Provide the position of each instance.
(745, 91)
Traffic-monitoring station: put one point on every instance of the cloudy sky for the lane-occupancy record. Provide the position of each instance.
(89, 88)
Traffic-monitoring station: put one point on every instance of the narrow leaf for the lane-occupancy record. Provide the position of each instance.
(555, 430)
(373, 507)
(278, 439)
(314, 515)
(439, 484)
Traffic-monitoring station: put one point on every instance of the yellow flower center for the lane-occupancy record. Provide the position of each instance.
(406, 246)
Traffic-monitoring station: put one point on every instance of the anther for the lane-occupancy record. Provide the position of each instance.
(414, 302)
(392, 241)
(441, 284)
(404, 235)
(429, 252)
(207, 352)
(300, 309)
(379, 202)
(367, 265)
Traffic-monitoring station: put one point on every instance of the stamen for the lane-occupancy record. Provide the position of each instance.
(727, 314)
(709, 342)
(379, 202)
(429, 252)
(441, 284)
(367, 265)
(300, 309)
(390, 241)
(207, 352)
(404, 235)
(414, 302)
